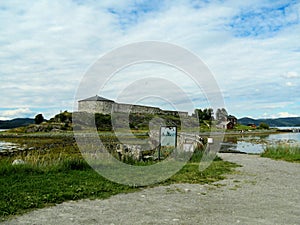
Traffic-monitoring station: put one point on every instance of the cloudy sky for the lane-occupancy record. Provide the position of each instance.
(252, 47)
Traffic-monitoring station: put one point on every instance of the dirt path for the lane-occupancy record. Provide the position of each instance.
(263, 191)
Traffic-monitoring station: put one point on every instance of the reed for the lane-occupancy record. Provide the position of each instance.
(285, 152)
(55, 172)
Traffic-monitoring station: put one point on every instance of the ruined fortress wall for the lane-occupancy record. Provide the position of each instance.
(122, 108)
(183, 114)
(95, 106)
(107, 107)
(126, 108)
(145, 109)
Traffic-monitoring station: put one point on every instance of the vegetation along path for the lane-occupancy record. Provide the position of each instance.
(262, 191)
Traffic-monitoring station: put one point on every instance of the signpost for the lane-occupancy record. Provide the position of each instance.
(167, 137)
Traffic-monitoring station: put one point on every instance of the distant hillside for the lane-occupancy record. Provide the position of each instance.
(14, 123)
(279, 122)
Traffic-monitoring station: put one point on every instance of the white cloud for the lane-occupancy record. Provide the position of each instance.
(291, 74)
(268, 115)
(44, 53)
(15, 113)
(286, 114)
(283, 115)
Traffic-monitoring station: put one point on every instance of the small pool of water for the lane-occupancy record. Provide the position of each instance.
(257, 143)
(6, 146)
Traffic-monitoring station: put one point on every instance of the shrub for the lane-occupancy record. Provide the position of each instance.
(39, 118)
(264, 126)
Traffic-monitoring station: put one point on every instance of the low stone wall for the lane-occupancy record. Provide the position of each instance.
(135, 152)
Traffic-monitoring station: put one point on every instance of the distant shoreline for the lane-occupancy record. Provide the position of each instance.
(205, 133)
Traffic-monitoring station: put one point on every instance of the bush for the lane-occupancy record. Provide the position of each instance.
(73, 164)
(39, 118)
(264, 126)
(63, 117)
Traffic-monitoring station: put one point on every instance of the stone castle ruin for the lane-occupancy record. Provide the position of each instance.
(97, 104)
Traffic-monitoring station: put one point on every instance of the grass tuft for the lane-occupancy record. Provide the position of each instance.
(283, 152)
(73, 164)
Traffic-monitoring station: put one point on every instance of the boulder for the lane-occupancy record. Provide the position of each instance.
(18, 162)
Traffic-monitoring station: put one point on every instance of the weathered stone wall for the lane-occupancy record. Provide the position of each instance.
(145, 109)
(126, 108)
(122, 108)
(183, 114)
(107, 107)
(95, 106)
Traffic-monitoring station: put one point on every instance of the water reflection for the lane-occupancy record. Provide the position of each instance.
(257, 143)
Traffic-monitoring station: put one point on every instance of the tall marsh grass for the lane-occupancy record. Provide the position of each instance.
(284, 151)
(55, 171)
(58, 165)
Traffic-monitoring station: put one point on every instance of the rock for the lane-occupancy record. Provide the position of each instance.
(126, 150)
(18, 162)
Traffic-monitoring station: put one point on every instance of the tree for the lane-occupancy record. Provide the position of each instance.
(206, 114)
(39, 118)
(221, 115)
(63, 117)
(198, 113)
(263, 125)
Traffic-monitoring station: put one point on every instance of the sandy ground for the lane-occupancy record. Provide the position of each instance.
(263, 191)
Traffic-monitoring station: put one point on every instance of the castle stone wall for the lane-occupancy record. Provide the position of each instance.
(107, 107)
(95, 106)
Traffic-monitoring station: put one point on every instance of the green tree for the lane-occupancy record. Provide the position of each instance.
(263, 125)
(208, 114)
(204, 115)
(221, 115)
(39, 118)
(198, 113)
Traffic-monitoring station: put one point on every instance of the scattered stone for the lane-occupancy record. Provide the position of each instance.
(18, 162)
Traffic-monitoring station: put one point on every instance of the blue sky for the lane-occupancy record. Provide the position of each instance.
(252, 47)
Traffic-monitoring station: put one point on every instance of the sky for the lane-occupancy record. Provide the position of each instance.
(251, 47)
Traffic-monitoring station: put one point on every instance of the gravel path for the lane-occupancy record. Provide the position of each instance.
(263, 191)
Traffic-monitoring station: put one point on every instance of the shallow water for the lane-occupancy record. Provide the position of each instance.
(257, 143)
(6, 146)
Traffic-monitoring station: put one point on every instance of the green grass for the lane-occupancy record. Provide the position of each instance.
(26, 187)
(55, 172)
(190, 173)
(243, 127)
(283, 152)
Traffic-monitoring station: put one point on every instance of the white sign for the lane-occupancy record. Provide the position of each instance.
(210, 140)
(168, 136)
